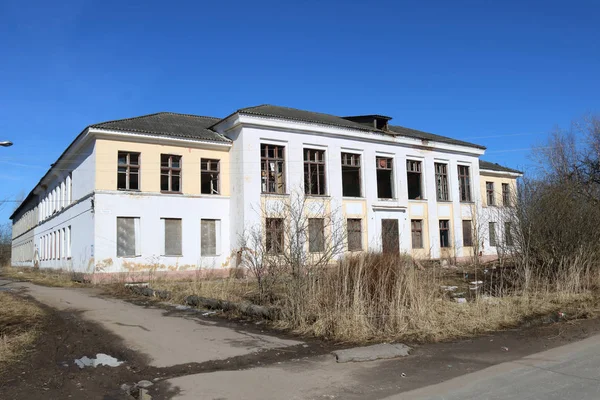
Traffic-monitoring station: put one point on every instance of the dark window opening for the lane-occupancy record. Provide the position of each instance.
(316, 235)
(314, 172)
(209, 176)
(444, 233)
(416, 227)
(464, 183)
(390, 237)
(413, 179)
(492, 229)
(467, 233)
(441, 181)
(351, 175)
(274, 235)
(508, 237)
(489, 190)
(505, 195)
(385, 185)
(128, 171)
(354, 234)
(170, 173)
(272, 168)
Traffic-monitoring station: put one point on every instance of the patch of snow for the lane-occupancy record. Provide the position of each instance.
(101, 359)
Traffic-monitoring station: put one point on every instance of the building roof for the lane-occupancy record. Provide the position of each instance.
(267, 110)
(168, 124)
(496, 167)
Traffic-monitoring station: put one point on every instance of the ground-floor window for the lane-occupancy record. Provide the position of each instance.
(354, 226)
(492, 229)
(508, 237)
(274, 235)
(209, 237)
(173, 237)
(390, 236)
(316, 235)
(444, 233)
(416, 227)
(467, 233)
(128, 231)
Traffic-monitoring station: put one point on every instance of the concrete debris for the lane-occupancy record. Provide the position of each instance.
(449, 288)
(370, 353)
(461, 300)
(101, 359)
(181, 307)
(208, 313)
(504, 348)
(477, 283)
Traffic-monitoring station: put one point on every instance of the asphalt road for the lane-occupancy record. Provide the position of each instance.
(568, 372)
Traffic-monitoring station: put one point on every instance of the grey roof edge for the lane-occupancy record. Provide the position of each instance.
(490, 166)
(437, 138)
(216, 119)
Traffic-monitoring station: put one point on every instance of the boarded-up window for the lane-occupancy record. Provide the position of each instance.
(390, 236)
(416, 227)
(492, 229)
(467, 233)
(316, 235)
(126, 236)
(354, 234)
(208, 239)
(444, 233)
(172, 237)
(508, 237)
(274, 235)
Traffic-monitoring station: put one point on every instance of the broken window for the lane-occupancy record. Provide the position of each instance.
(316, 235)
(170, 173)
(385, 185)
(128, 171)
(505, 195)
(441, 181)
(68, 251)
(314, 172)
(444, 233)
(354, 226)
(390, 237)
(492, 229)
(272, 168)
(464, 183)
(172, 237)
(467, 233)
(489, 190)
(209, 176)
(413, 179)
(209, 229)
(508, 238)
(274, 235)
(351, 175)
(416, 228)
(127, 232)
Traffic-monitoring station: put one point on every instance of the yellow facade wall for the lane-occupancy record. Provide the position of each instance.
(357, 205)
(106, 165)
(413, 206)
(498, 181)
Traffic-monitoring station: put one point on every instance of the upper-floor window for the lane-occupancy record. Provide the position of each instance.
(385, 169)
(314, 172)
(170, 173)
(505, 195)
(351, 185)
(489, 192)
(414, 179)
(128, 171)
(441, 181)
(464, 183)
(272, 168)
(209, 176)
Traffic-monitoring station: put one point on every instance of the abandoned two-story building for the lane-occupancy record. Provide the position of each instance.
(175, 192)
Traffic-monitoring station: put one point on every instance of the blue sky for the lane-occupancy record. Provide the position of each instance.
(502, 74)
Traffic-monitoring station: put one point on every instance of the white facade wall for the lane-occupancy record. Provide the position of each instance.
(249, 132)
(150, 208)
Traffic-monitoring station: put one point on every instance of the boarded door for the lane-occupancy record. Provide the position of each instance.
(390, 238)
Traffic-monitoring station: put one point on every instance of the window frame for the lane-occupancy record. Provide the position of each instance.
(320, 167)
(414, 230)
(136, 235)
(489, 194)
(354, 161)
(492, 233)
(128, 167)
(410, 170)
(208, 170)
(506, 195)
(274, 231)
(170, 169)
(389, 166)
(467, 224)
(445, 228)
(164, 244)
(320, 236)
(354, 231)
(265, 159)
(508, 236)
(464, 182)
(443, 175)
(217, 238)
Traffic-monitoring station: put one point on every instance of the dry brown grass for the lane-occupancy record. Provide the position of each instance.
(20, 320)
(56, 278)
(231, 289)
